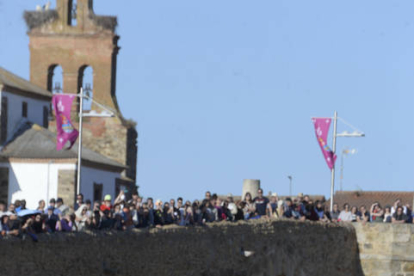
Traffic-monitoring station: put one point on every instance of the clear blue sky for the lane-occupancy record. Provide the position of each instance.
(224, 90)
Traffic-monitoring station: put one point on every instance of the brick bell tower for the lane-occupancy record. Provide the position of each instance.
(74, 38)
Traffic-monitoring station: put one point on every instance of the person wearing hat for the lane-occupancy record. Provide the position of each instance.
(106, 204)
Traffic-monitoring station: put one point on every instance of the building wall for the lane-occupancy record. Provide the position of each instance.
(33, 181)
(15, 102)
(287, 248)
(36, 181)
(386, 249)
(91, 176)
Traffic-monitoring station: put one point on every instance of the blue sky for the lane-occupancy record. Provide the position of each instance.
(224, 90)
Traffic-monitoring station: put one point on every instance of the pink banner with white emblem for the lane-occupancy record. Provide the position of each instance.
(321, 130)
(62, 105)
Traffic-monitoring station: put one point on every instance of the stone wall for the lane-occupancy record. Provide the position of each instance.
(386, 249)
(66, 186)
(279, 248)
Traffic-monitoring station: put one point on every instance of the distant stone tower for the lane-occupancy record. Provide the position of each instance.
(73, 38)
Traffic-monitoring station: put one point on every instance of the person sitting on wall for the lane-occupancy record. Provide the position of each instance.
(409, 214)
(261, 203)
(158, 214)
(168, 213)
(150, 203)
(272, 207)
(41, 207)
(288, 210)
(106, 204)
(345, 214)
(399, 216)
(387, 214)
(335, 213)
(363, 215)
(7, 228)
(51, 220)
(79, 201)
(143, 216)
(354, 211)
(318, 212)
(377, 214)
(64, 210)
(398, 203)
(207, 196)
(231, 205)
(249, 206)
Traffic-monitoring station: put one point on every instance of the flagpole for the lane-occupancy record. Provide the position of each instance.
(80, 141)
(333, 156)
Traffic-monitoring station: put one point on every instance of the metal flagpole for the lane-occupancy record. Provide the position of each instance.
(342, 170)
(333, 167)
(80, 140)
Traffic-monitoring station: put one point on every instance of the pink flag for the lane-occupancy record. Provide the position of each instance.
(62, 105)
(321, 130)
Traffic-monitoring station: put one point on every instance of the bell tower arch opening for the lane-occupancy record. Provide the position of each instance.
(55, 78)
(85, 81)
(72, 12)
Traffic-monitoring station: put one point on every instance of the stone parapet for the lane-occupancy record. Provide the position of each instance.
(386, 249)
(276, 248)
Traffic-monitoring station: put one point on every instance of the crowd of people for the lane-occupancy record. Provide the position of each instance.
(122, 214)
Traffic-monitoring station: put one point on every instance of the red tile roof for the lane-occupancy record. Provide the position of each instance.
(367, 198)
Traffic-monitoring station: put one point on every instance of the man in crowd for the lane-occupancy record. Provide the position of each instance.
(399, 216)
(208, 195)
(261, 203)
(79, 201)
(61, 207)
(363, 215)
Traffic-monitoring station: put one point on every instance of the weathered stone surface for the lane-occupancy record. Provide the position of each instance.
(386, 249)
(66, 186)
(280, 248)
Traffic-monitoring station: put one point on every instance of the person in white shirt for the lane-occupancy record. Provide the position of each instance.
(345, 214)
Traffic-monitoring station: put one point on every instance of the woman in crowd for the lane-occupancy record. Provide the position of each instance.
(377, 214)
(354, 213)
(249, 207)
(345, 215)
(168, 214)
(82, 220)
(399, 216)
(41, 206)
(387, 214)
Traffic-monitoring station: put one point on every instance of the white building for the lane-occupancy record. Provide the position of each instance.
(30, 166)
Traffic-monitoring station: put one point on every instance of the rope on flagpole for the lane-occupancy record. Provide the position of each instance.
(348, 124)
